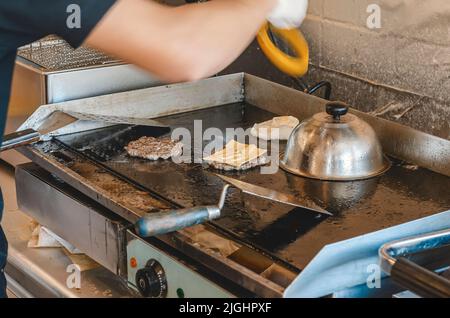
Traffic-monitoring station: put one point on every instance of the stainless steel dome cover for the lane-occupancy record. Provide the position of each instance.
(335, 146)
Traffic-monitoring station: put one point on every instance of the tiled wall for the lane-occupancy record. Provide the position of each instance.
(400, 71)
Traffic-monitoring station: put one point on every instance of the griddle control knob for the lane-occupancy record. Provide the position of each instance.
(151, 280)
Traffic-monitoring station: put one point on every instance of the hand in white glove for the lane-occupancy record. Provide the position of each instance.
(288, 14)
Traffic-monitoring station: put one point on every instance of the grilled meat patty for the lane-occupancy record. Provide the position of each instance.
(152, 148)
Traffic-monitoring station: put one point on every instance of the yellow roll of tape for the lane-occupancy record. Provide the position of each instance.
(296, 66)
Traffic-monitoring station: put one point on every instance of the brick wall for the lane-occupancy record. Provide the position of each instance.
(400, 71)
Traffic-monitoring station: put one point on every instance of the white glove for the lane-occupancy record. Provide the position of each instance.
(288, 14)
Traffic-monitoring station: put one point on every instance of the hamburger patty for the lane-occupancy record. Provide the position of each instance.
(152, 148)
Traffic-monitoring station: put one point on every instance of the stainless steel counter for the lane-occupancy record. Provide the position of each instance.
(43, 272)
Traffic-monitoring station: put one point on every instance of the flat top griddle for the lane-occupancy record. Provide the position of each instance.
(402, 194)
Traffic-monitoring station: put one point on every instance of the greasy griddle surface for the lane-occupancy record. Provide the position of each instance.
(403, 194)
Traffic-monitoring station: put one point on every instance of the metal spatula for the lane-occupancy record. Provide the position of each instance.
(54, 121)
(59, 119)
(117, 119)
(165, 222)
(273, 195)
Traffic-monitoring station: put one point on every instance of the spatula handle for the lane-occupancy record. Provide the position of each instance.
(170, 221)
(19, 138)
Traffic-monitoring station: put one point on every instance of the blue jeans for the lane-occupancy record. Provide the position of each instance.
(3, 253)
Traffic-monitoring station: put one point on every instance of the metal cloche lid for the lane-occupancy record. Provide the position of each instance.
(334, 145)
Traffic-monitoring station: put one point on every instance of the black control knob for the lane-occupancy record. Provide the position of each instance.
(336, 109)
(151, 280)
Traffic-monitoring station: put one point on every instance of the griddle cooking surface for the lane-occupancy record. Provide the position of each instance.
(294, 235)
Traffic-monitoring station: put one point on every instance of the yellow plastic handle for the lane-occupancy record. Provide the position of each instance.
(294, 66)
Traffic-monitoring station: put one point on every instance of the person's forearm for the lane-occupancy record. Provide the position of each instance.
(225, 29)
(181, 43)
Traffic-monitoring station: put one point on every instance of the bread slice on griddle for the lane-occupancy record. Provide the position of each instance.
(278, 128)
(236, 156)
